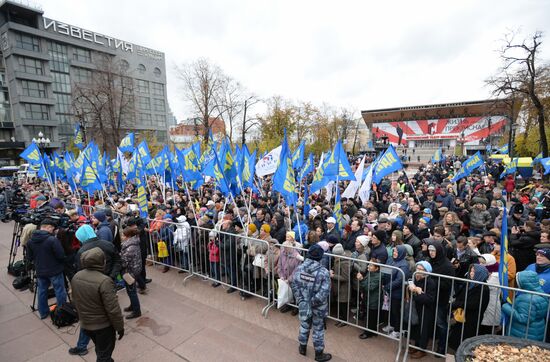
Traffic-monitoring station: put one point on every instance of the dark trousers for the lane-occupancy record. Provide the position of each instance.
(131, 290)
(141, 279)
(104, 340)
(395, 314)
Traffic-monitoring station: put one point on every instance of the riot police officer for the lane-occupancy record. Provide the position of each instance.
(311, 289)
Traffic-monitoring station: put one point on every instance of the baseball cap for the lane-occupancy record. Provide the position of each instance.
(330, 220)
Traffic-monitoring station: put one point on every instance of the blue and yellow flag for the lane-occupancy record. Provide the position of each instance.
(306, 168)
(510, 168)
(438, 156)
(32, 154)
(338, 167)
(284, 181)
(298, 155)
(88, 178)
(472, 163)
(503, 150)
(319, 179)
(127, 143)
(78, 137)
(503, 263)
(143, 151)
(141, 198)
(388, 163)
(545, 162)
(340, 222)
(189, 167)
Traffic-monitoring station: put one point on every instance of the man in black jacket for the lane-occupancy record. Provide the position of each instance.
(45, 250)
(441, 265)
(356, 230)
(278, 229)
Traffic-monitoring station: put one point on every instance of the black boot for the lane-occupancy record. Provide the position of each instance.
(322, 356)
(302, 349)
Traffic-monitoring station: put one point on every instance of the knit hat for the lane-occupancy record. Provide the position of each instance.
(363, 239)
(252, 228)
(324, 245)
(315, 252)
(85, 233)
(41, 198)
(427, 266)
(338, 249)
(56, 203)
(424, 220)
(266, 228)
(544, 252)
(380, 235)
(410, 251)
(100, 215)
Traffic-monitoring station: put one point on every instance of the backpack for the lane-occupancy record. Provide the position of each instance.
(22, 282)
(64, 315)
(17, 269)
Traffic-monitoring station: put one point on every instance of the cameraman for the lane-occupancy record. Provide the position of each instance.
(522, 243)
(45, 250)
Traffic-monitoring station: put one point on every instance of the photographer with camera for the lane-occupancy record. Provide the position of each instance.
(45, 250)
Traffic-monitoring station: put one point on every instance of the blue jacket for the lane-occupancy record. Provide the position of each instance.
(104, 232)
(46, 252)
(394, 284)
(528, 309)
(544, 277)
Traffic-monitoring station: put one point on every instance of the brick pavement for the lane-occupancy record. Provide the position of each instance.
(191, 322)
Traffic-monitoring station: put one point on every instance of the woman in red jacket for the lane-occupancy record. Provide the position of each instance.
(509, 186)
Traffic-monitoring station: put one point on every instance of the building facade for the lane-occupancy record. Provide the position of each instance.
(458, 128)
(43, 60)
(190, 130)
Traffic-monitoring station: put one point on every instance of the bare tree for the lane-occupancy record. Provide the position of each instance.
(521, 75)
(248, 122)
(230, 102)
(202, 88)
(106, 103)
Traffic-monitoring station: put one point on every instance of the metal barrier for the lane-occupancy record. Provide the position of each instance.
(362, 303)
(481, 303)
(167, 246)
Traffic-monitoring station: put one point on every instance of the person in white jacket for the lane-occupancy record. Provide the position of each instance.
(182, 236)
(491, 319)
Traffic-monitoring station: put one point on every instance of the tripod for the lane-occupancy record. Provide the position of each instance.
(34, 289)
(15, 242)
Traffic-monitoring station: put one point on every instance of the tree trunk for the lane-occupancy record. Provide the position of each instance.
(542, 133)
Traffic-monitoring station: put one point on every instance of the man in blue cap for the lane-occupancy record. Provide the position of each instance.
(102, 226)
(311, 289)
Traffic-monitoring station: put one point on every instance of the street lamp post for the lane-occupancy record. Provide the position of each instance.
(42, 142)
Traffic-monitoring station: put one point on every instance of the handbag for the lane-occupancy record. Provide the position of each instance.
(386, 303)
(410, 306)
(459, 315)
(259, 260)
(128, 279)
(163, 250)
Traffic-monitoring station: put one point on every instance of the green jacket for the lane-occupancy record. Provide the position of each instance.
(371, 286)
(94, 294)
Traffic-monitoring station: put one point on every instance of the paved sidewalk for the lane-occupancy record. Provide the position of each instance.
(179, 323)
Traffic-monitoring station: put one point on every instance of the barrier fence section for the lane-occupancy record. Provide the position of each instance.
(434, 312)
(364, 294)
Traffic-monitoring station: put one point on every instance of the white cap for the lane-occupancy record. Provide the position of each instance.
(312, 212)
(210, 203)
(330, 220)
(181, 218)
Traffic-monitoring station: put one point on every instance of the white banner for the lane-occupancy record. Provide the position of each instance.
(353, 186)
(364, 191)
(267, 165)
(123, 162)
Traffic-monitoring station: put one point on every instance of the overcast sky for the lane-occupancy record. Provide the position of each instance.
(357, 54)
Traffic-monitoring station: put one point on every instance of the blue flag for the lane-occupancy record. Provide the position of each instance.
(78, 137)
(127, 143)
(388, 163)
(510, 168)
(284, 181)
(438, 156)
(472, 163)
(143, 151)
(306, 168)
(298, 156)
(503, 262)
(88, 178)
(545, 162)
(142, 199)
(340, 223)
(503, 150)
(32, 154)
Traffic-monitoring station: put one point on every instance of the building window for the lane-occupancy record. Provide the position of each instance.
(63, 103)
(82, 55)
(35, 130)
(141, 68)
(27, 42)
(33, 89)
(158, 89)
(158, 105)
(31, 66)
(157, 72)
(124, 65)
(36, 111)
(83, 76)
(143, 86)
(59, 57)
(160, 120)
(61, 82)
(144, 103)
(145, 119)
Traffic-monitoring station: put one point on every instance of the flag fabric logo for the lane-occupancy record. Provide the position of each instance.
(78, 137)
(127, 143)
(472, 163)
(503, 262)
(284, 181)
(32, 154)
(388, 163)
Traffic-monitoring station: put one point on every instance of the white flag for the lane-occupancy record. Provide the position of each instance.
(267, 165)
(329, 187)
(364, 191)
(123, 161)
(353, 186)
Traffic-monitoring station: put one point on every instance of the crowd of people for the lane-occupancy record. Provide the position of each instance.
(410, 226)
